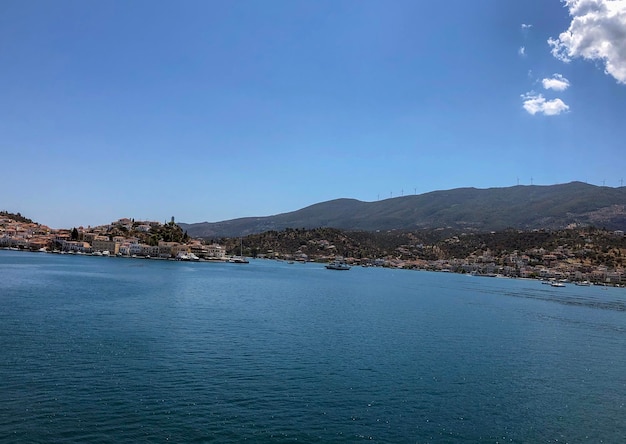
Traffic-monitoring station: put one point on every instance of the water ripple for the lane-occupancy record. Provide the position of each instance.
(127, 351)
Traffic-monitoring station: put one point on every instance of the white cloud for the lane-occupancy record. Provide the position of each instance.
(525, 26)
(557, 82)
(535, 103)
(597, 32)
(521, 51)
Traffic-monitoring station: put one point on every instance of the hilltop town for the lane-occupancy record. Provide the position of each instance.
(124, 237)
(578, 254)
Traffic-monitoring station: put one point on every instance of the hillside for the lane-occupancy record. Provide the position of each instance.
(16, 217)
(581, 247)
(466, 209)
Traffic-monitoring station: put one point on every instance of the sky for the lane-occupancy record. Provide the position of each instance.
(211, 110)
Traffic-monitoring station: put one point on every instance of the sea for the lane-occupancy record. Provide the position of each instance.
(117, 350)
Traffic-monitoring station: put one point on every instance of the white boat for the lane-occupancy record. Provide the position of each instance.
(557, 284)
(182, 256)
(337, 265)
(239, 259)
(583, 284)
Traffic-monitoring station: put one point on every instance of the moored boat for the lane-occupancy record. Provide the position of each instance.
(337, 265)
(238, 260)
(241, 259)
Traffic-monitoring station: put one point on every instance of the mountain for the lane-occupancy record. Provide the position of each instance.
(468, 209)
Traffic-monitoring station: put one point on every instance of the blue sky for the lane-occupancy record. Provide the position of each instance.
(213, 110)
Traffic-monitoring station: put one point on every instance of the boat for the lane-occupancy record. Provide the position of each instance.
(583, 283)
(557, 284)
(182, 256)
(239, 259)
(337, 265)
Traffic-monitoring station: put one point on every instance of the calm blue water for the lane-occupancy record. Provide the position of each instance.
(96, 349)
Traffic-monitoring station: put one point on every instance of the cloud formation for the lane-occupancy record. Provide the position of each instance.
(557, 82)
(535, 103)
(597, 32)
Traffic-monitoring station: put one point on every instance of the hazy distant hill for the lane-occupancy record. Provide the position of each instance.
(468, 209)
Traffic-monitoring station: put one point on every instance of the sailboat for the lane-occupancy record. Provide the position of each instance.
(239, 259)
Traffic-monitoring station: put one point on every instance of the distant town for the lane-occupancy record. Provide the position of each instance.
(125, 238)
(582, 255)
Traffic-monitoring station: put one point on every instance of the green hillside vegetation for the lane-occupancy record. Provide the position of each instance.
(463, 209)
(588, 246)
(318, 242)
(168, 232)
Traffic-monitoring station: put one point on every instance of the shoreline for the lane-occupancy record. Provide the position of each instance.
(228, 260)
